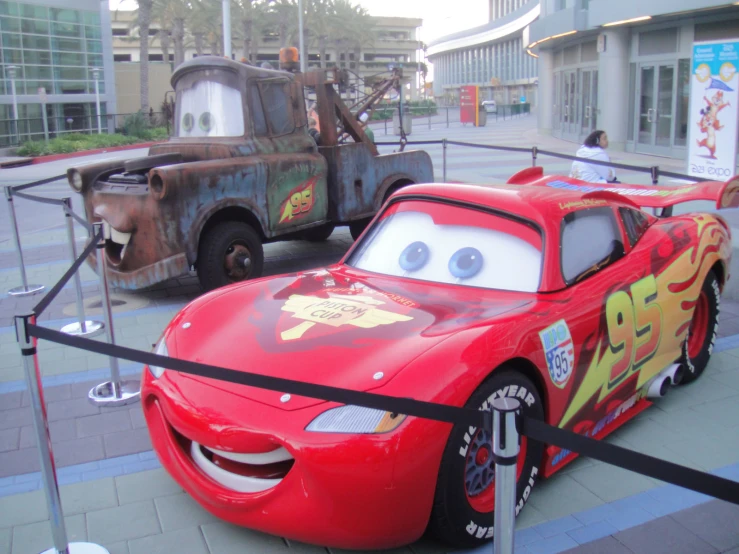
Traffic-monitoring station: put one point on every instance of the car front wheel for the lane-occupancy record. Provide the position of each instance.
(465, 491)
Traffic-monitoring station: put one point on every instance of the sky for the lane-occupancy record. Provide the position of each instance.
(439, 17)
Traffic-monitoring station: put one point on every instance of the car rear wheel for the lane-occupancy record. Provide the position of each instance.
(229, 252)
(698, 345)
(318, 234)
(465, 491)
(356, 228)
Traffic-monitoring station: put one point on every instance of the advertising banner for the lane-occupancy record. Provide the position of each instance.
(468, 104)
(713, 110)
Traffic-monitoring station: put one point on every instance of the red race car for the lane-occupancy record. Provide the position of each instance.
(563, 294)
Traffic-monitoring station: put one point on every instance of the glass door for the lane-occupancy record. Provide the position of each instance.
(656, 116)
(570, 106)
(589, 104)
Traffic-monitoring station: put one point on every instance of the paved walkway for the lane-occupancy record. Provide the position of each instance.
(115, 493)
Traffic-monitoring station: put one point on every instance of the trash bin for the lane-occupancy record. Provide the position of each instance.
(407, 123)
(482, 117)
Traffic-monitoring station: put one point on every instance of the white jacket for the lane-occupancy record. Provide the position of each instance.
(592, 173)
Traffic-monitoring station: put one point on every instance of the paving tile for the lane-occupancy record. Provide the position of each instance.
(224, 538)
(558, 543)
(145, 485)
(183, 541)
(529, 516)
(131, 521)
(11, 400)
(607, 545)
(561, 496)
(5, 538)
(23, 508)
(9, 439)
(716, 522)
(118, 548)
(180, 511)
(558, 526)
(663, 536)
(610, 483)
(628, 514)
(68, 409)
(37, 537)
(137, 417)
(669, 499)
(62, 430)
(127, 442)
(707, 451)
(89, 496)
(51, 394)
(16, 417)
(78, 451)
(15, 462)
(592, 532)
(99, 424)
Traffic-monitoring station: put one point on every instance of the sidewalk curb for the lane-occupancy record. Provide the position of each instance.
(56, 157)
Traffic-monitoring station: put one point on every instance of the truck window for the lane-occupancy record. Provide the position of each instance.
(277, 106)
(257, 112)
(209, 109)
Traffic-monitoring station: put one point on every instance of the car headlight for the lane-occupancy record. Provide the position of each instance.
(355, 419)
(161, 349)
(75, 179)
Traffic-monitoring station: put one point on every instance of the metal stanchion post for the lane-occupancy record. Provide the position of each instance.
(85, 327)
(534, 152)
(41, 426)
(443, 159)
(385, 122)
(505, 455)
(26, 289)
(429, 108)
(447, 117)
(655, 174)
(114, 392)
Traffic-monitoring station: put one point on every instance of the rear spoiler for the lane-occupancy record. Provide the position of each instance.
(725, 195)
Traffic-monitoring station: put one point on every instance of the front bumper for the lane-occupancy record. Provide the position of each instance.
(344, 491)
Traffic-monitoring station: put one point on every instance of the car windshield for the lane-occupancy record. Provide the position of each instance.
(208, 108)
(434, 241)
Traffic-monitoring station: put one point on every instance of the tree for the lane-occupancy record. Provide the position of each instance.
(249, 18)
(283, 18)
(319, 26)
(173, 14)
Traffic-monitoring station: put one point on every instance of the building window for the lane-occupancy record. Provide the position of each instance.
(121, 57)
(663, 41)
(120, 32)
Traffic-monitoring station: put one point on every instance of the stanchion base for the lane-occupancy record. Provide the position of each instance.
(92, 328)
(26, 291)
(102, 395)
(80, 548)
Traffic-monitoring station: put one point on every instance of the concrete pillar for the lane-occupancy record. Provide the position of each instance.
(546, 91)
(613, 87)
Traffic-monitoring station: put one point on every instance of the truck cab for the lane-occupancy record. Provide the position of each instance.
(240, 170)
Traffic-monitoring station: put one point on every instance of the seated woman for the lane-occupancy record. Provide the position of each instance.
(593, 148)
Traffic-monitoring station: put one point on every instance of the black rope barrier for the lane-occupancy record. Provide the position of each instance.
(37, 183)
(596, 162)
(52, 201)
(682, 476)
(717, 487)
(491, 147)
(79, 219)
(46, 300)
(410, 142)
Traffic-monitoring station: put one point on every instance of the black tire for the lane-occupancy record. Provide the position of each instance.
(705, 316)
(319, 234)
(460, 515)
(222, 251)
(356, 228)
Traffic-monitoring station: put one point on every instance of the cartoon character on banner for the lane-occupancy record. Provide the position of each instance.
(709, 122)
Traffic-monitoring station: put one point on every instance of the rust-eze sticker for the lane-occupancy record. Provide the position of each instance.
(559, 351)
(337, 311)
(299, 201)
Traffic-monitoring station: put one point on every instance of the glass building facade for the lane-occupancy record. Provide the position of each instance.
(491, 56)
(54, 48)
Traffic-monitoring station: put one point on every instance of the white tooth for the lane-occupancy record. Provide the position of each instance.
(123, 250)
(279, 455)
(119, 237)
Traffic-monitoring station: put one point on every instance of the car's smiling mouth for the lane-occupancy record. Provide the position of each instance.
(116, 243)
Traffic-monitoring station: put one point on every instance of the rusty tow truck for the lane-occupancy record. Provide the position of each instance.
(240, 170)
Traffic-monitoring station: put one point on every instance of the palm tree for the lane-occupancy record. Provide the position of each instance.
(249, 17)
(174, 13)
(283, 17)
(165, 40)
(319, 22)
(144, 21)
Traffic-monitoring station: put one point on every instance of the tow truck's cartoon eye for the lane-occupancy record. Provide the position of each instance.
(210, 109)
(448, 244)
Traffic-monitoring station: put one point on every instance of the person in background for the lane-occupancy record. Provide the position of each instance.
(367, 130)
(313, 130)
(593, 148)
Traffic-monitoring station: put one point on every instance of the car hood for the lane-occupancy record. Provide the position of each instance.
(337, 327)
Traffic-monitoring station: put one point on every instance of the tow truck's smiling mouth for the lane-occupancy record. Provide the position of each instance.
(115, 245)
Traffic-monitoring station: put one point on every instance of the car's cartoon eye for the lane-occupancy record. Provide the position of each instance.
(414, 256)
(465, 263)
(206, 121)
(187, 122)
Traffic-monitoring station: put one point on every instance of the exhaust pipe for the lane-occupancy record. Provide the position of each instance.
(669, 376)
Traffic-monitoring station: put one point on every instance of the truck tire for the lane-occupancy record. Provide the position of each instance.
(223, 252)
(319, 234)
(356, 228)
